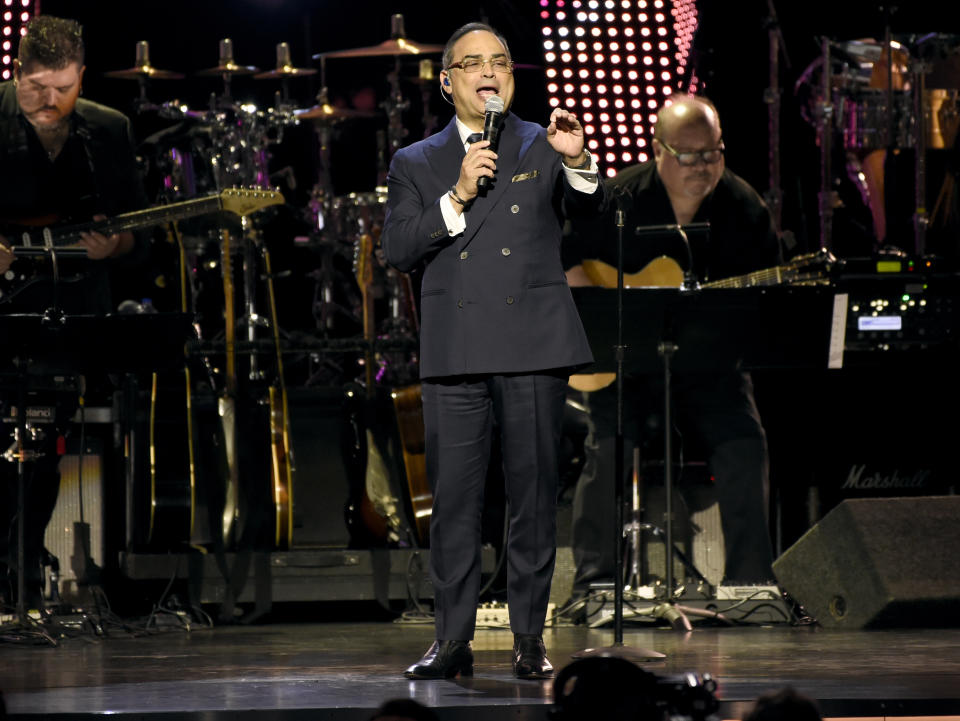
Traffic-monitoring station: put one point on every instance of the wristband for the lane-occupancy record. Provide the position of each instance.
(456, 197)
(585, 164)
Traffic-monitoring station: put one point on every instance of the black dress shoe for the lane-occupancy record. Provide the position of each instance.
(444, 659)
(530, 657)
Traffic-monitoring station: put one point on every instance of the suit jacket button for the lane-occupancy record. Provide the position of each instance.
(459, 302)
(505, 251)
(463, 255)
(509, 300)
(514, 208)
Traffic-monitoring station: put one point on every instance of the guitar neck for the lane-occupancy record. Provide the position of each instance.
(767, 276)
(71, 234)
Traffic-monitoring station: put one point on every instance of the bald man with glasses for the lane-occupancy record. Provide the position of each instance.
(686, 182)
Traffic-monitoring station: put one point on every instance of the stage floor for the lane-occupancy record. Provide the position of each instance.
(341, 671)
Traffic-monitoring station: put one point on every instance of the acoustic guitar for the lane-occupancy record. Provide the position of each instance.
(665, 272)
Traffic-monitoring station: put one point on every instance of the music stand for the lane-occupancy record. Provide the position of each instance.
(50, 344)
(701, 330)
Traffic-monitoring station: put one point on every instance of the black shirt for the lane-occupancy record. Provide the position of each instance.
(95, 172)
(741, 238)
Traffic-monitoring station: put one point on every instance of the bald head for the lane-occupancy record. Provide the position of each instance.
(687, 133)
(686, 112)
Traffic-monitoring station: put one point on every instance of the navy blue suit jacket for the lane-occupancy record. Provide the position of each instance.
(494, 299)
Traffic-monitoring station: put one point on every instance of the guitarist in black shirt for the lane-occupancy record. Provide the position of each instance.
(685, 182)
(68, 159)
(64, 158)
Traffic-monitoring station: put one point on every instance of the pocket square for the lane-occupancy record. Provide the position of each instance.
(524, 176)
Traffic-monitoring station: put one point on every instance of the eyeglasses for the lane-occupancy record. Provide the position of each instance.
(709, 157)
(475, 65)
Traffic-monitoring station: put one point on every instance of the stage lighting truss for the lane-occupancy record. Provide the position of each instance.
(14, 15)
(613, 63)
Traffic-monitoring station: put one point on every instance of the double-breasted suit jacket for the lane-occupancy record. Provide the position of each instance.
(494, 299)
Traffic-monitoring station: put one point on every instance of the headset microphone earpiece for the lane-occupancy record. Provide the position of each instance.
(446, 81)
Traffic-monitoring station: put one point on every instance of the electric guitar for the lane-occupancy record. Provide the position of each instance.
(41, 238)
(372, 512)
(665, 272)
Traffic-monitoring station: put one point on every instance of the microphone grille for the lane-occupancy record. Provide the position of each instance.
(494, 104)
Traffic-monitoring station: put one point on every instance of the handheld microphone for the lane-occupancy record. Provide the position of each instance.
(493, 111)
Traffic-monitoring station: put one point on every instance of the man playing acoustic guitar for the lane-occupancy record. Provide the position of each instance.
(685, 182)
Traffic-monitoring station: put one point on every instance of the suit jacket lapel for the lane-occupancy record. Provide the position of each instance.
(447, 151)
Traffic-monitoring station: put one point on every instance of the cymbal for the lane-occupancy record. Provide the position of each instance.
(287, 71)
(144, 71)
(398, 46)
(230, 68)
(326, 113)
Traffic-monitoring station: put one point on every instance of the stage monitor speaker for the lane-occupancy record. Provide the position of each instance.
(879, 562)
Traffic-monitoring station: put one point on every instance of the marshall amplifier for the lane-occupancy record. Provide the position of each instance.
(858, 433)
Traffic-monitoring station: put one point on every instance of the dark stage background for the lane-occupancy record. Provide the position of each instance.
(732, 59)
(730, 52)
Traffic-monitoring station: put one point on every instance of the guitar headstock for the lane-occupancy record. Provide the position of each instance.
(244, 201)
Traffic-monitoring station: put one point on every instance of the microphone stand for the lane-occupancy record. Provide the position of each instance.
(618, 649)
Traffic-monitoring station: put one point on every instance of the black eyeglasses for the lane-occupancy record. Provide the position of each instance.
(688, 159)
(475, 65)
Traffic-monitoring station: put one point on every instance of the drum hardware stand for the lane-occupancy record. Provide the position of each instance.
(825, 119)
(772, 96)
(921, 219)
(322, 193)
(396, 104)
(427, 79)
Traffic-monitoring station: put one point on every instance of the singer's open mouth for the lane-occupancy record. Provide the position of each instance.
(485, 91)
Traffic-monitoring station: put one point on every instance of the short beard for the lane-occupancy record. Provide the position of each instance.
(51, 128)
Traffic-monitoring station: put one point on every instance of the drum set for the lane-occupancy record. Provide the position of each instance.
(872, 98)
(228, 143)
(256, 331)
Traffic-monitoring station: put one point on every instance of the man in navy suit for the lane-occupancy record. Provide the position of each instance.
(500, 335)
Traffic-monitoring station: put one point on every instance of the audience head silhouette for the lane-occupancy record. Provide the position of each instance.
(784, 705)
(403, 709)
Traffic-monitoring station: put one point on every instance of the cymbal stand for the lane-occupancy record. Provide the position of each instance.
(322, 193)
(427, 80)
(827, 196)
(226, 60)
(394, 107)
(142, 60)
(772, 96)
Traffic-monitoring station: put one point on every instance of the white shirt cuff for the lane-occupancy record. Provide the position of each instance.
(456, 224)
(584, 180)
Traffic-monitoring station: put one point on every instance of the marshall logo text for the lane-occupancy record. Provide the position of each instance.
(856, 479)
